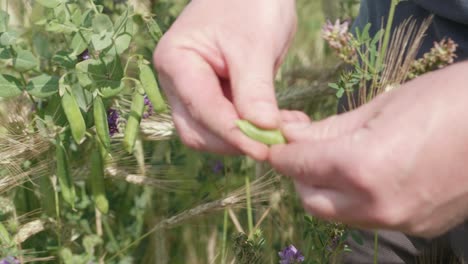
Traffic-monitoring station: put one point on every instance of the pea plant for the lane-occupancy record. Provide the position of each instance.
(87, 86)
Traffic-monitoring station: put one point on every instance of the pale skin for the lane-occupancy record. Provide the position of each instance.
(398, 162)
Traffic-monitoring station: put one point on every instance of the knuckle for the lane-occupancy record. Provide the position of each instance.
(165, 53)
(391, 215)
(191, 140)
(189, 136)
(301, 169)
(188, 102)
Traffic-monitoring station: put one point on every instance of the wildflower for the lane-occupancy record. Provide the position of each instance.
(218, 167)
(443, 53)
(9, 260)
(338, 37)
(290, 255)
(84, 55)
(113, 121)
(149, 108)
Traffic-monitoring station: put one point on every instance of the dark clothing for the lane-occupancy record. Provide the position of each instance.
(450, 20)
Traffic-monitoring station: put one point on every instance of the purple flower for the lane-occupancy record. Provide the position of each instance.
(9, 260)
(149, 108)
(84, 55)
(218, 167)
(290, 255)
(112, 121)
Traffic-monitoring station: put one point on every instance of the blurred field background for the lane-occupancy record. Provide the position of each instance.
(188, 207)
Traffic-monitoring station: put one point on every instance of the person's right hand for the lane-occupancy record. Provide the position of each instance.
(217, 63)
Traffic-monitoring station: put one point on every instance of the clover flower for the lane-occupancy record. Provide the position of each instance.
(290, 255)
(443, 53)
(113, 121)
(149, 108)
(9, 260)
(84, 55)
(217, 167)
(340, 39)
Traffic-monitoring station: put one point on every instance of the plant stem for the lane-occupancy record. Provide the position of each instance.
(388, 28)
(376, 247)
(94, 6)
(225, 225)
(226, 214)
(249, 205)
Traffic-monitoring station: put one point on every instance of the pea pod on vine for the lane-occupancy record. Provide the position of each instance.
(74, 116)
(133, 122)
(97, 180)
(100, 121)
(151, 87)
(63, 174)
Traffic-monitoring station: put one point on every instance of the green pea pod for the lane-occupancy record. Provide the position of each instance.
(74, 116)
(47, 196)
(97, 181)
(133, 122)
(154, 29)
(63, 174)
(269, 137)
(151, 87)
(100, 121)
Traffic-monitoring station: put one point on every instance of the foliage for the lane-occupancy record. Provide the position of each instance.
(90, 168)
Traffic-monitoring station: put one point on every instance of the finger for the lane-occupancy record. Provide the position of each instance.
(323, 203)
(252, 73)
(335, 126)
(321, 164)
(293, 117)
(196, 136)
(198, 89)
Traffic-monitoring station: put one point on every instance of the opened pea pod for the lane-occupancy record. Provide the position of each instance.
(269, 137)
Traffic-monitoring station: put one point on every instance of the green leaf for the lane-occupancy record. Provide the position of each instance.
(61, 27)
(124, 33)
(25, 61)
(49, 3)
(89, 71)
(42, 45)
(43, 86)
(9, 86)
(334, 86)
(4, 20)
(340, 93)
(5, 54)
(110, 88)
(101, 41)
(65, 59)
(80, 42)
(102, 23)
(8, 38)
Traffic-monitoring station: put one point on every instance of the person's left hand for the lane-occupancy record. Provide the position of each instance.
(399, 162)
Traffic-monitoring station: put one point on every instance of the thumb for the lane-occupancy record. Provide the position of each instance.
(251, 74)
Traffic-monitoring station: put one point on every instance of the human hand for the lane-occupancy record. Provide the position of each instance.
(216, 65)
(399, 162)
